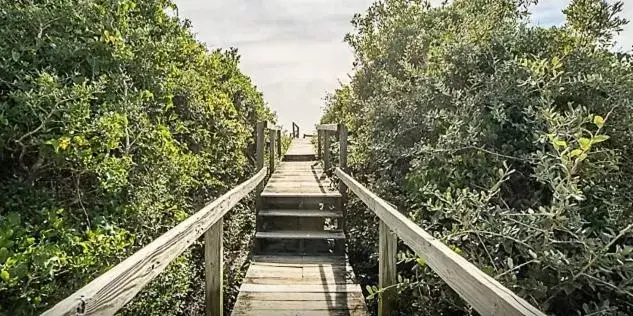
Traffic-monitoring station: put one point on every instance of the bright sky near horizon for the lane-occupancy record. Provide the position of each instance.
(293, 50)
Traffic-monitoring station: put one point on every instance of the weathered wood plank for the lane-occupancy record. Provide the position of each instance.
(327, 127)
(328, 194)
(259, 164)
(319, 147)
(271, 150)
(312, 288)
(307, 280)
(275, 272)
(317, 296)
(112, 290)
(327, 162)
(300, 234)
(387, 243)
(323, 305)
(260, 143)
(256, 312)
(299, 260)
(272, 269)
(213, 268)
(485, 294)
(343, 165)
(288, 182)
(300, 213)
(279, 142)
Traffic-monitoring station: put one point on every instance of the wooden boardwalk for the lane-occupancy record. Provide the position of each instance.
(300, 266)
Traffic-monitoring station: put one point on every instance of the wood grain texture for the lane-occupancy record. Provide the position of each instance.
(485, 294)
(327, 127)
(300, 213)
(214, 269)
(319, 147)
(272, 134)
(279, 143)
(387, 243)
(300, 285)
(342, 130)
(327, 161)
(112, 290)
(300, 234)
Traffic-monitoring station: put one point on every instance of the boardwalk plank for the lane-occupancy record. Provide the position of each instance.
(299, 193)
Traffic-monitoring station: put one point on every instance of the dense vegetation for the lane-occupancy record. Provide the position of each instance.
(509, 142)
(115, 125)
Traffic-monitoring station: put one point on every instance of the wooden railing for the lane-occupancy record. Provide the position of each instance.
(295, 130)
(483, 293)
(109, 292)
(324, 133)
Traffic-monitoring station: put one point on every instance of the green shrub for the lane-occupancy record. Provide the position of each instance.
(115, 125)
(509, 142)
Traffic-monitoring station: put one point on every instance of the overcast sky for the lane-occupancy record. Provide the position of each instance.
(293, 49)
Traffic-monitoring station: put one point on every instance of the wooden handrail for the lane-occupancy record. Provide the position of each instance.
(327, 127)
(109, 292)
(324, 131)
(486, 295)
(112, 290)
(271, 126)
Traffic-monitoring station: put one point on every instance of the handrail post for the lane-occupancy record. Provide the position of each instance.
(259, 164)
(318, 144)
(295, 130)
(386, 269)
(326, 152)
(279, 143)
(259, 138)
(342, 135)
(213, 268)
(271, 150)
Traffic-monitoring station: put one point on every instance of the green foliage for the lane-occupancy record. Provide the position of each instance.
(509, 142)
(115, 125)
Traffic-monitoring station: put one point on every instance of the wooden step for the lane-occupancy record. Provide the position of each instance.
(301, 195)
(298, 234)
(300, 213)
(306, 157)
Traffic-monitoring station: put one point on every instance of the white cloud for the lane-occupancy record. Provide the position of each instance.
(294, 50)
(550, 12)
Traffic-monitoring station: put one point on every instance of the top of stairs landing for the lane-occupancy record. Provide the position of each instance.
(301, 149)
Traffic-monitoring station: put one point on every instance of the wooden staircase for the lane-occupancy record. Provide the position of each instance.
(300, 209)
(299, 266)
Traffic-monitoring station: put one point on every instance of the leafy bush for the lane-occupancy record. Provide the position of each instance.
(509, 142)
(115, 125)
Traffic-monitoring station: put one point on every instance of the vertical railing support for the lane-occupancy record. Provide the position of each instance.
(326, 152)
(386, 269)
(272, 134)
(295, 130)
(213, 268)
(319, 144)
(259, 138)
(342, 141)
(259, 164)
(279, 143)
